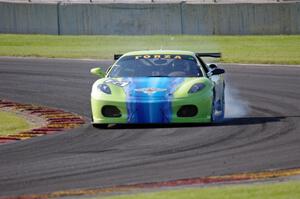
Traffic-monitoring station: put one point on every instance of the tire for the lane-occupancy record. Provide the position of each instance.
(220, 105)
(100, 126)
(224, 103)
(221, 117)
(212, 114)
(213, 110)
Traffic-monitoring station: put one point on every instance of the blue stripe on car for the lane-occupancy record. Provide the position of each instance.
(149, 100)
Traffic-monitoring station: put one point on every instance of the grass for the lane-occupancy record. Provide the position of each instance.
(283, 190)
(239, 49)
(11, 123)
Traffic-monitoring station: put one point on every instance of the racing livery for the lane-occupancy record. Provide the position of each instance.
(158, 87)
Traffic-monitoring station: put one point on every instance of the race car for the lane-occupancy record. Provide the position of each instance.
(158, 86)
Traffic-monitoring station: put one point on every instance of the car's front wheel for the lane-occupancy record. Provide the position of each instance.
(218, 109)
(97, 125)
(100, 126)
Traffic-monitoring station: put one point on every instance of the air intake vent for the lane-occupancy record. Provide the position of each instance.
(111, 111)
(187, 111)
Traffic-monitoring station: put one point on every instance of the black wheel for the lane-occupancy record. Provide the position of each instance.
(221, 115)
(223, 104)
(213, 110)
(100, 126)
(218, 109)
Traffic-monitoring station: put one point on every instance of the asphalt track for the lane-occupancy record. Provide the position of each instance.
(263, 134)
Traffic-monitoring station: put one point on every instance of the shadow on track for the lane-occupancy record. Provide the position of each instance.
(225, 122)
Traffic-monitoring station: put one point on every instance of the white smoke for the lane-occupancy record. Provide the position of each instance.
(234, 105)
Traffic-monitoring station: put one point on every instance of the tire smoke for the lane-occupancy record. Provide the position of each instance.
(234, 105)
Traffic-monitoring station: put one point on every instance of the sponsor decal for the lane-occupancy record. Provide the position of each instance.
(150, 91)
(158, 57)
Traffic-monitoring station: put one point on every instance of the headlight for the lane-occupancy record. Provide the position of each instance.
(196, 87)
(104, 88)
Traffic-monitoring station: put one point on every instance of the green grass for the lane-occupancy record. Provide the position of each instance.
(10, 123)
(286, 190)
(242, 49)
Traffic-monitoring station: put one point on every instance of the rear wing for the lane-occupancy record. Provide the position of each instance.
(117, 56)
(215, 55)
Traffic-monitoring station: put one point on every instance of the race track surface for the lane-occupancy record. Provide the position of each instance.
(262, 132)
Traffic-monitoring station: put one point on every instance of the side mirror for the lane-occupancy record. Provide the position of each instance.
(212, 66)
(217, 71)
(97, 71)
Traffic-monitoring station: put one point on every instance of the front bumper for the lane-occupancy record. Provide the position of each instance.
(153, 111)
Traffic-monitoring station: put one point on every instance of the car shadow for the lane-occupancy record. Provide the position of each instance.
(238, 121)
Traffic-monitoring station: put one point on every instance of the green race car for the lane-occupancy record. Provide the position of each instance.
(158, 86)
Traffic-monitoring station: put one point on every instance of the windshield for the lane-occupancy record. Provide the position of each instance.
(156, 66)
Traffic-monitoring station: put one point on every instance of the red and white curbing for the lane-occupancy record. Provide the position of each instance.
(56, 120)
(233, 178)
